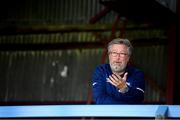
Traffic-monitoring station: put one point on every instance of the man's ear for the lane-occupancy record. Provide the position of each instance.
(128, 59)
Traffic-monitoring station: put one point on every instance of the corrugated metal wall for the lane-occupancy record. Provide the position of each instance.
(47, 76)
(153, 60)
(51, 12)
(42, 71)
(40, 76)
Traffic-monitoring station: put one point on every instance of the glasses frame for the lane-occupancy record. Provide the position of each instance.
(121, 54)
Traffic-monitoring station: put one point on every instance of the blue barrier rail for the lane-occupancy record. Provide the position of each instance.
(50, 111)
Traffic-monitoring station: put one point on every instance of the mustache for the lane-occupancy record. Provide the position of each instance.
(116, 63)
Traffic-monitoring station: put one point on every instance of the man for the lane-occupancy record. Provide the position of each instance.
(118, 82)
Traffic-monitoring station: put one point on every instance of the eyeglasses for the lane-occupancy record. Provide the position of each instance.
(115, 54)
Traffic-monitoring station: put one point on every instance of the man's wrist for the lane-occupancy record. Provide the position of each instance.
(124, 89)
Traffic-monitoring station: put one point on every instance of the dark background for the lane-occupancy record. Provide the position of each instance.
(49, 48)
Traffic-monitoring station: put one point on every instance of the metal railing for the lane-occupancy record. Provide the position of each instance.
(75, 111)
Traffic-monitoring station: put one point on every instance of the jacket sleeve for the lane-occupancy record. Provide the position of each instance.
(100, 95)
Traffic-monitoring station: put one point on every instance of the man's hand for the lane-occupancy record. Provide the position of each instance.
(118, 81)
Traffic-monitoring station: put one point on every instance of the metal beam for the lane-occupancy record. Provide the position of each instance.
(142, 11)
(73, 45)
(47, 29)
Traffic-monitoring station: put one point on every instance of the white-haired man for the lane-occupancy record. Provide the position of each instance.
(118, 82)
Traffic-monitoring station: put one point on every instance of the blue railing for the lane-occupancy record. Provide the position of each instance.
(130, 111)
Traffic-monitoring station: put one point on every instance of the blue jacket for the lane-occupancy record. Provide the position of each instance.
(105, 93)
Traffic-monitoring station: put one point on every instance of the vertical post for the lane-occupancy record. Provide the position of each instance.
(171, 63)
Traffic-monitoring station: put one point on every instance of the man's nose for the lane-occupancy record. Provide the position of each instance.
(119, 57)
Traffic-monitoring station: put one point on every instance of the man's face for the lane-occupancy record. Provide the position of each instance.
(118, 57)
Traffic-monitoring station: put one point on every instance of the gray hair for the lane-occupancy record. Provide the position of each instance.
(121, 41)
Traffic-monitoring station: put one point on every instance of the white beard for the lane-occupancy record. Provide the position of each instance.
(117, 67)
